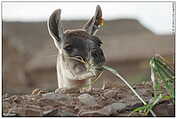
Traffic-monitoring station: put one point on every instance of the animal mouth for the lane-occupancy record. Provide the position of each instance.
(79, 67)
(84, 69)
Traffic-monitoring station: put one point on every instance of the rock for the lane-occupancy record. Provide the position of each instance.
(9, 115)
(43, 102)
(91, 114)
(51, 112)
(25, 111)
(33, 112)
(64, 90)
(87, 99)
(64, 113)
(57, 112)
(93, 103)
(18, 99)
(106, 111)
(6, 106)
(54, 96)
(30, 106)
(117, 107)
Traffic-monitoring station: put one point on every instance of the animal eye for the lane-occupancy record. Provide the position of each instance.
(68, 47)
(99, 44)
(97, 41)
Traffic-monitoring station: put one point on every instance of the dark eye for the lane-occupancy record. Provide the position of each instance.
(97, 41)
(68, 47)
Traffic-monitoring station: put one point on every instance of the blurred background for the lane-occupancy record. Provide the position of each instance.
(132, 33)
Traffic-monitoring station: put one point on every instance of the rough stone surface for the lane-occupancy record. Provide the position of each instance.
(56, 96)
(106, 111)
(87, 99)
(97, 102)
(115, 107)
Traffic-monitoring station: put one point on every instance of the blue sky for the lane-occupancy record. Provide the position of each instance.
(157, 16)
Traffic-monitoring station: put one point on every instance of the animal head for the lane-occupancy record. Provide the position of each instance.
(79, 43)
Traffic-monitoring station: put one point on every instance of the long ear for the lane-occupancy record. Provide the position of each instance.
(95, 22)
(55, 27)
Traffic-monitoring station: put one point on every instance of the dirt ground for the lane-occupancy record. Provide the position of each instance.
(96, 102)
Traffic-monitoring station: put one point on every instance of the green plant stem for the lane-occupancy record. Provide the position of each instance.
(119, 76)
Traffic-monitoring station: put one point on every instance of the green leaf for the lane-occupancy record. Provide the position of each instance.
(166, 97)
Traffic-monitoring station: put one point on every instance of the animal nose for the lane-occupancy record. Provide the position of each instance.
(98, 56)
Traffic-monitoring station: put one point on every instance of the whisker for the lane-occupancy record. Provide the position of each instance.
(75, 58)
(94, 80)
(100, 74)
